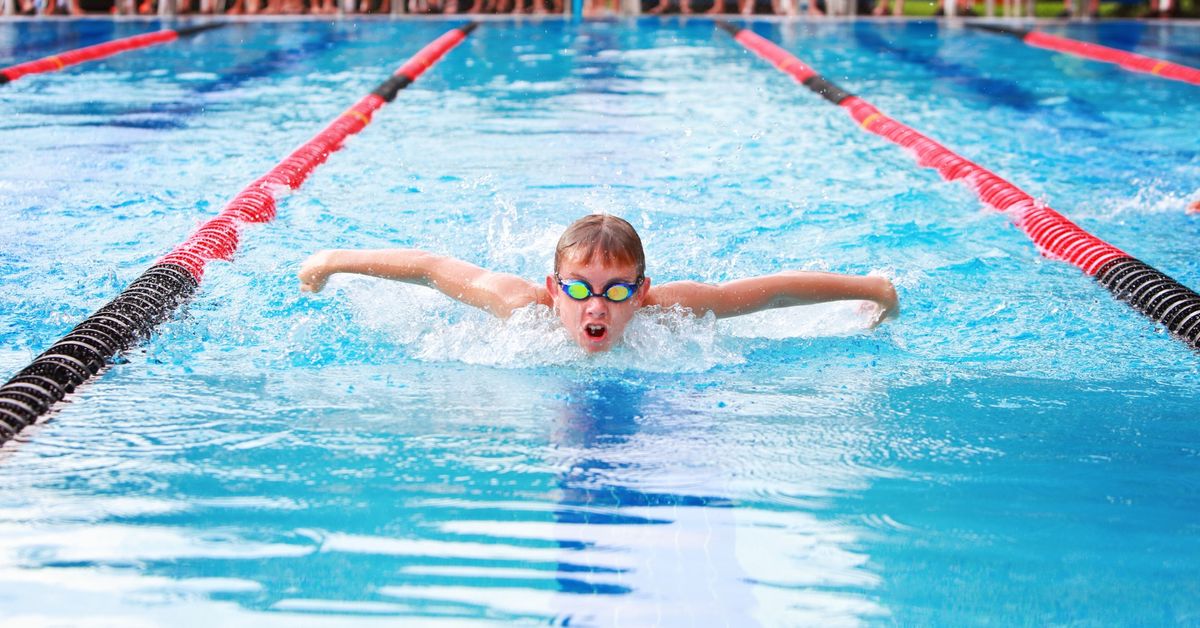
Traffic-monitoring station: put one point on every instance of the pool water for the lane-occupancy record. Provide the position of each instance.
(1016, 447)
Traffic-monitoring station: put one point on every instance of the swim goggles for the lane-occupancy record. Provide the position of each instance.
(616, 291)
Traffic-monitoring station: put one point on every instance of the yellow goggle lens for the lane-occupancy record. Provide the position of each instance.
(618, 293)
(578, 291)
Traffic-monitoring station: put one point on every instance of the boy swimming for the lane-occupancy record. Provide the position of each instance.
(599, 282)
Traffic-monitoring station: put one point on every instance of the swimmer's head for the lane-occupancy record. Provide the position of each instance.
(600, 237)
(604, 254)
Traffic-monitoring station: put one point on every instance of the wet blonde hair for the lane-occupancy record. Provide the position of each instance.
(601, 236)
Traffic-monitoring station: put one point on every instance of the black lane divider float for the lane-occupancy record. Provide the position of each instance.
(1147, 290)
(54, 63)
(154, 296)
(1128, 60)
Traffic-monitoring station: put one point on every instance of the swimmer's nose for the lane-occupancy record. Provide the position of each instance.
(597, 308)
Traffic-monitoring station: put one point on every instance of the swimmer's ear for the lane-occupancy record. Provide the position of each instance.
(552, 289)
(643, 291)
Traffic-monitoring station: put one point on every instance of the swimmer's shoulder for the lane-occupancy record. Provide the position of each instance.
(541, 296)
(536, 295)
(672, 293)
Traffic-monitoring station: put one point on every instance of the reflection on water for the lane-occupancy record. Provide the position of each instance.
(592, 498)
(680, 546)
(696, 557)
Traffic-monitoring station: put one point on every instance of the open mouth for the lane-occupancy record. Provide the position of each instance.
(595, 332)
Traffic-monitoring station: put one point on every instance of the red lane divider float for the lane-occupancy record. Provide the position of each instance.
(218, 238)
(153, 297)
(1149, 291)
(1128, 60)
(54, 63)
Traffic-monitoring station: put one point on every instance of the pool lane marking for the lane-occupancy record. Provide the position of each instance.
(1144, 288)
(1128, 60)
(152, 298)
(56, 62)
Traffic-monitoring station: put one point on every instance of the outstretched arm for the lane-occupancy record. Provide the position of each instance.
(785, 289)
(497, 293)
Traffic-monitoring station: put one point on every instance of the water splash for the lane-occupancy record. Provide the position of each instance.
(1149, 198)
(841, 318)
(672, 340)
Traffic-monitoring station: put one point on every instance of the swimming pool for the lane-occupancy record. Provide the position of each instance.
(1016, 447)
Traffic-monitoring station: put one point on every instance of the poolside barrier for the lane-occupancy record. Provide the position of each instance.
(1128, 60)
(1147, 290)
(154, 295)
(54, 63)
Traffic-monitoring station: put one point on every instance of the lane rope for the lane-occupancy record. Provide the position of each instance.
(56, 62)
(1144, 288)
(151, 299)
(1128, 60)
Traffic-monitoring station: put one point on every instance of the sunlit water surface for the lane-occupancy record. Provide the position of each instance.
(1017, 447)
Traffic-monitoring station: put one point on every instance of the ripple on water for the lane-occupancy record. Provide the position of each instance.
(884, 523)
(783, 443)
(111, 431)
(118, 544)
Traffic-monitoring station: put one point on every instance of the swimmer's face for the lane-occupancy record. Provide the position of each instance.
(596, 323)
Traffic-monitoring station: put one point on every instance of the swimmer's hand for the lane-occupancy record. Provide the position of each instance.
(884, 305)
(315, 271)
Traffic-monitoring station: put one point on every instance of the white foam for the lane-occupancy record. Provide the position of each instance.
(435, 328)
(1149, 198)
(840, 318)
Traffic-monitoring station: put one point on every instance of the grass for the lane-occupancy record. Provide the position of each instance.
(1191, 8)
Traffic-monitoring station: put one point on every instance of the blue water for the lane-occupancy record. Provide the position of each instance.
(1016, 448)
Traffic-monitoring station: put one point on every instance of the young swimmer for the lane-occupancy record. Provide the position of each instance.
(599, 281)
